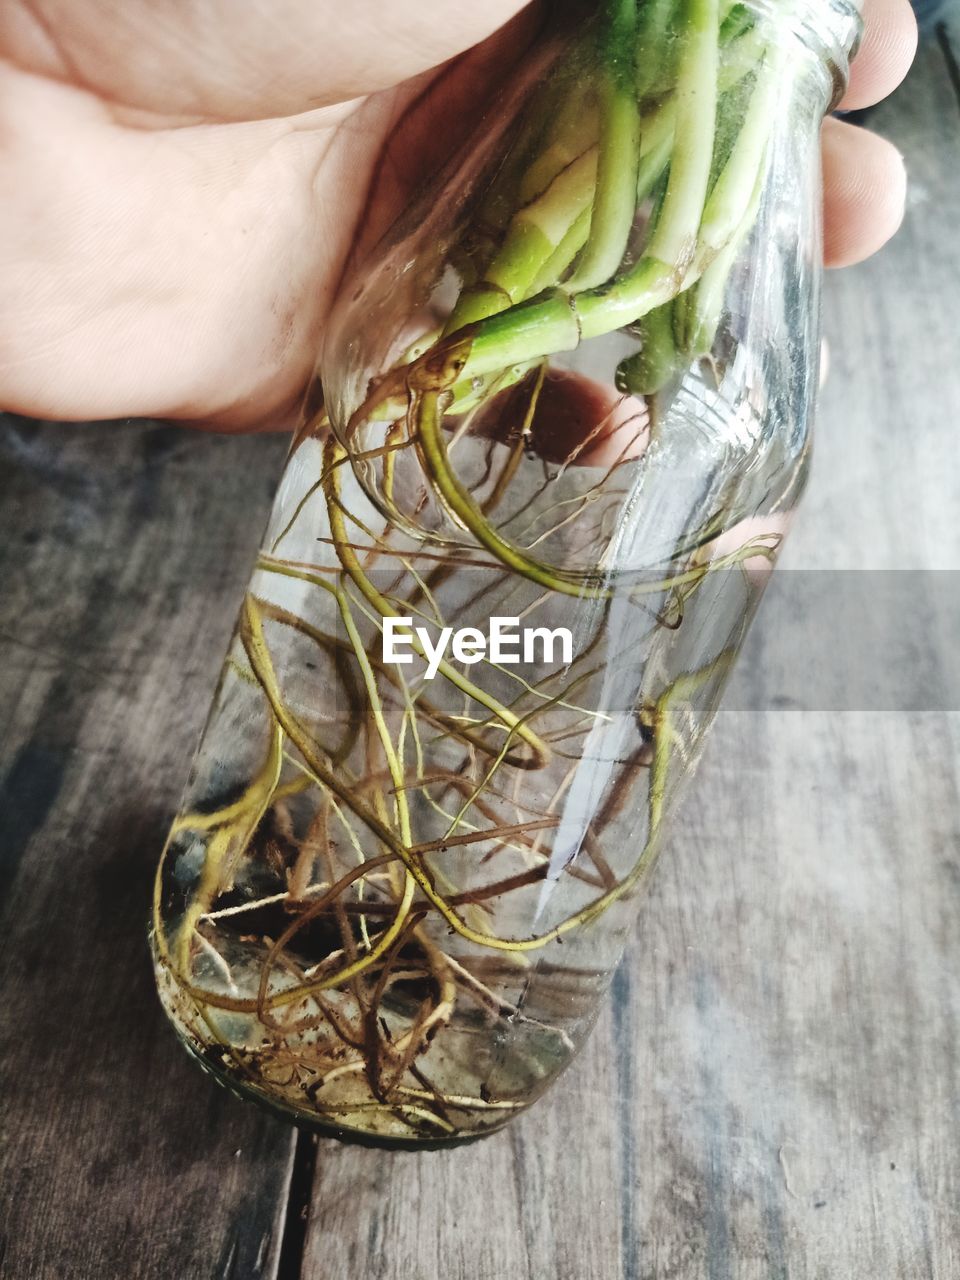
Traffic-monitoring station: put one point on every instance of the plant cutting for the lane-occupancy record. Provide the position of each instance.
(571, 391)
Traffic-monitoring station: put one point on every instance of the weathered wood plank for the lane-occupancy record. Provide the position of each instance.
(773, 1090)
(124, 552)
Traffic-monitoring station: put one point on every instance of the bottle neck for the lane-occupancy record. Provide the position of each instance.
(828, 31)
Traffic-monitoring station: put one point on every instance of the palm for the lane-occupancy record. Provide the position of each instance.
(183, 180)
(181, 264)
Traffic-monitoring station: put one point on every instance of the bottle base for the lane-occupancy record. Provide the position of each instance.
(340, 1102)
(321, 1126)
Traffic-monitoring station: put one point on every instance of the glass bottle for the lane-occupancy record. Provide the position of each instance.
(566, 413)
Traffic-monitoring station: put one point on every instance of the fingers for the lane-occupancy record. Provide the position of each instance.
(215, 60)
(864, 187)
(864, 181)
(885, 54)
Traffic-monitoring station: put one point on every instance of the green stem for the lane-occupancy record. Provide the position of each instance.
(674, 237)
(653, 52)
(646, 372)
(549, 325)
(734, 189)
(704, 303)
(532, 238)
(575, 132)
(615, 198)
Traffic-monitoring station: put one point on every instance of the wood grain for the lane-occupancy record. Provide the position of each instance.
(123, 554)
(771, 1094)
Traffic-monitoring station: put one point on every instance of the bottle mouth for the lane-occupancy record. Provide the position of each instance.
(830, 29)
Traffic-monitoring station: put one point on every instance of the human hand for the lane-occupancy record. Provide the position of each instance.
(180, 197)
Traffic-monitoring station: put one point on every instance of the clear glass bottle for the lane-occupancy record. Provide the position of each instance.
(567, 412)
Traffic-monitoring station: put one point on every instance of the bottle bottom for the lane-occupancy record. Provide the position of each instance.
(469, 1080)
(350, 1130)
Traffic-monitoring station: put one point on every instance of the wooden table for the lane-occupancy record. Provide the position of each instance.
(774, 1090)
